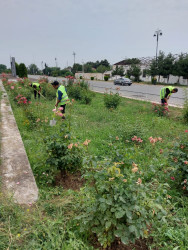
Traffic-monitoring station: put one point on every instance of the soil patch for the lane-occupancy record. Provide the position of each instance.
(70, 180)
(141, 244)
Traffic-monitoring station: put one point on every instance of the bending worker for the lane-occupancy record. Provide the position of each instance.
(61, 96)
(166, 92)
(37, 89)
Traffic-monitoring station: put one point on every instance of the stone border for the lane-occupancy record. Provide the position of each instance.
(17, 177)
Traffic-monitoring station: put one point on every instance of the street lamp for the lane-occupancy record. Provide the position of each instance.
(157, 34)
(83, 66)
(74, 54)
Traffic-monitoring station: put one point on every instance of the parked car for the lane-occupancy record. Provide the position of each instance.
(123, 81)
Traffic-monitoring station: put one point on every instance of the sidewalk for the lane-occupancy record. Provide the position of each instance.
(17, 178)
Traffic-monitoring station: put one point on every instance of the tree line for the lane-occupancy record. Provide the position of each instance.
(164, 65)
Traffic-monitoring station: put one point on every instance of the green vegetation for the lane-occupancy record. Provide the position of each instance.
(21, 70)
(169, 65)
(3, 69)
(133, 186)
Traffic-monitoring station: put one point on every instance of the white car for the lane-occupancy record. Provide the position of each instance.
(123, 81)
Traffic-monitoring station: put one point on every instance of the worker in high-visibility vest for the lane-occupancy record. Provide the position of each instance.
(166, 92)
(37, 89)
(61, 97)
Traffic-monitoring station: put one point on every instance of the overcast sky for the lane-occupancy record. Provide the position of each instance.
(41, 30)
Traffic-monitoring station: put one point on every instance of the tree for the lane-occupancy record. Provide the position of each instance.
(87, 68)
(177, 70)
(77, 67)
(33, 69)
(22, 70)
(121, 71)
(131, 61)
(101, 69)
(3, 68)
(160, 64)
(17, 68)
(134, 71)
(167, 66)
(184, 67)
(105, 63)
(118, 71)
(153, 71)
(115, 71)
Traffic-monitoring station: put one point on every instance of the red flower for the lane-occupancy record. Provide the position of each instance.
(186, 131)
(172, 178)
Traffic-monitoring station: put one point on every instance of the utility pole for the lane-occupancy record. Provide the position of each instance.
(42, 67)
(74, 54)
(56, 62)
(157, 34)
(83, 66)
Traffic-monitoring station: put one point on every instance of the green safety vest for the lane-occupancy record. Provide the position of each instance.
(163, 91)
(37, 85)
(65, 98)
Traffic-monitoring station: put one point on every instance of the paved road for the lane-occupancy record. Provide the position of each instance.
(135, 91)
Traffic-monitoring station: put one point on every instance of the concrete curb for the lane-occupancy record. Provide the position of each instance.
(18, 181)
(144, 100)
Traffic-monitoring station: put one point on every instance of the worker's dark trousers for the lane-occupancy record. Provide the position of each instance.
(35, 94)
(63, 111)
(163, 101)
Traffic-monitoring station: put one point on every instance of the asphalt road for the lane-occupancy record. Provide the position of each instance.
(137, 91)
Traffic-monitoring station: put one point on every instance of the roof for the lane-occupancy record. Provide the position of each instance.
(141, 61)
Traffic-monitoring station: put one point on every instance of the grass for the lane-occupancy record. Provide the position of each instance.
(50, 224)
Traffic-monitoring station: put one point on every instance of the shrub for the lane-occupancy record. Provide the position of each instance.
(111, 100)
(74, 91)
(86, 97)
(92, 78)
(185, 108)
(80, 91)
(84, 84)
(43, 79)
(179, 160)
(106, 78)
(154, 80)
(48, 91)
(63, 153)
(116, 204)
(160, 110)
(81, 77)
(70, 79)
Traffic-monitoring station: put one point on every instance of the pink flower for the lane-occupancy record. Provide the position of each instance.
(86, 142)
(172, 178)
(139, 181)
(60, 114)
(53, 110)
(17, 183)
(61, 108)
(70, 146)
(12, 87)
(186, 131)
(186, 162)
